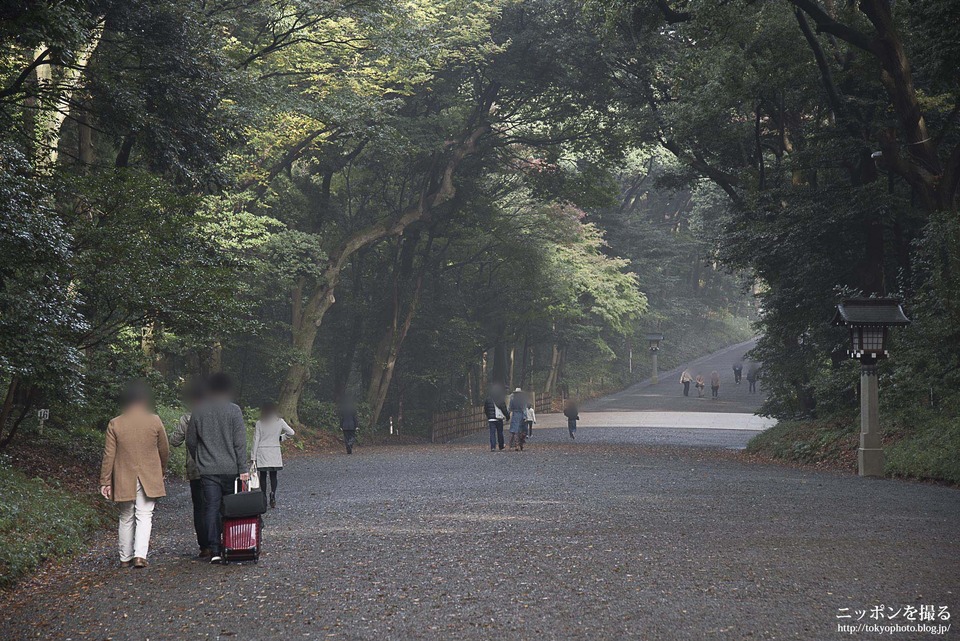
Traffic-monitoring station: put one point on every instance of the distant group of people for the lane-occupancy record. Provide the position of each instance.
(137, 450)
(687, 379)
(518, 409)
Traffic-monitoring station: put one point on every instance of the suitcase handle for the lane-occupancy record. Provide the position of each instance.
(239, 486)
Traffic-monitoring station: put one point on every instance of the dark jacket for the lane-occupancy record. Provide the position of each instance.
(572, 412)
(489, 408)
(349, 421)
(217, 438)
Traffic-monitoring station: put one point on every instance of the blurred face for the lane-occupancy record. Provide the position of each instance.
(137, 405)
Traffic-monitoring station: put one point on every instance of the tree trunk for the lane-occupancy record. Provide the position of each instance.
(498, 370)
(524, 370)
(484, 381)
(388, 349)
(306, 323)
(388, 352)
(550, 385)
(343, 363)
(24, 410)
(85, 151)
(395, 332)
(56, 98)
(8, 402)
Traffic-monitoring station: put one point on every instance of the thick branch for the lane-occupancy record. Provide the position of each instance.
(833, 95)
(826, 24)
(725, 181)
(14, 86)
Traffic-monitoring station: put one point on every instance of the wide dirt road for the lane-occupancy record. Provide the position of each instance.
(647, 414)
(563, 541)
(668, 396)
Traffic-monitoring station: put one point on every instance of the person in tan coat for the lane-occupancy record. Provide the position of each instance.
(135, 455)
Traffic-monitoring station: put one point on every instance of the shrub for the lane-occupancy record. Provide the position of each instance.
(38, 521)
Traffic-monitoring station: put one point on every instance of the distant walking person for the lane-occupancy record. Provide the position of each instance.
(685, 380)
(518, 415)
(531, 417)
(268, 433)
(135, 455)
(737, 372)
(194, 397)
(217, 441)
(700, 385)
(752, 379)
(715, 383)
(572, 412)
(496, 412)
(349, 423)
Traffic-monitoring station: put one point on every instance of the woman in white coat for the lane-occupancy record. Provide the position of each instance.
(270, 431)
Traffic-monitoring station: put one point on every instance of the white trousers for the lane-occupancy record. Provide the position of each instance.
(136, 521)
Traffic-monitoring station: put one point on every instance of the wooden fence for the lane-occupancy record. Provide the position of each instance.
(446, 426)
(544, 403)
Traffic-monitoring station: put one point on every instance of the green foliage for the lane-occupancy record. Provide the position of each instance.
(37, 317)
(319, 414)
(177, 464)
(190, 185)
(39, 521)
(926, 448)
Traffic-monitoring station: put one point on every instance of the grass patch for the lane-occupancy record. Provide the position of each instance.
(924, 445)
(40, 520)
(829, 442)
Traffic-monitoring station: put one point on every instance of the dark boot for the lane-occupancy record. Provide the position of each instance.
(273, 500)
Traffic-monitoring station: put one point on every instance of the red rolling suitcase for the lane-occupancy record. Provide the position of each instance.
(242, 537)
(242, 534)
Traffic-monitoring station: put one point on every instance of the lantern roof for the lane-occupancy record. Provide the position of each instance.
(870, 312)
(653, 336)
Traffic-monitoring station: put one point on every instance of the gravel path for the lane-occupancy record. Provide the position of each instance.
(563, 541)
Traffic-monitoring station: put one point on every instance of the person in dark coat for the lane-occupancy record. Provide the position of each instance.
(349, 423)
(737, 372)
(752, 379)
(572, 412)
(496, 411)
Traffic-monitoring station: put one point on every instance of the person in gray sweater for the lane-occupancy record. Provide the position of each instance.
(217, 441)
(195, 393)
